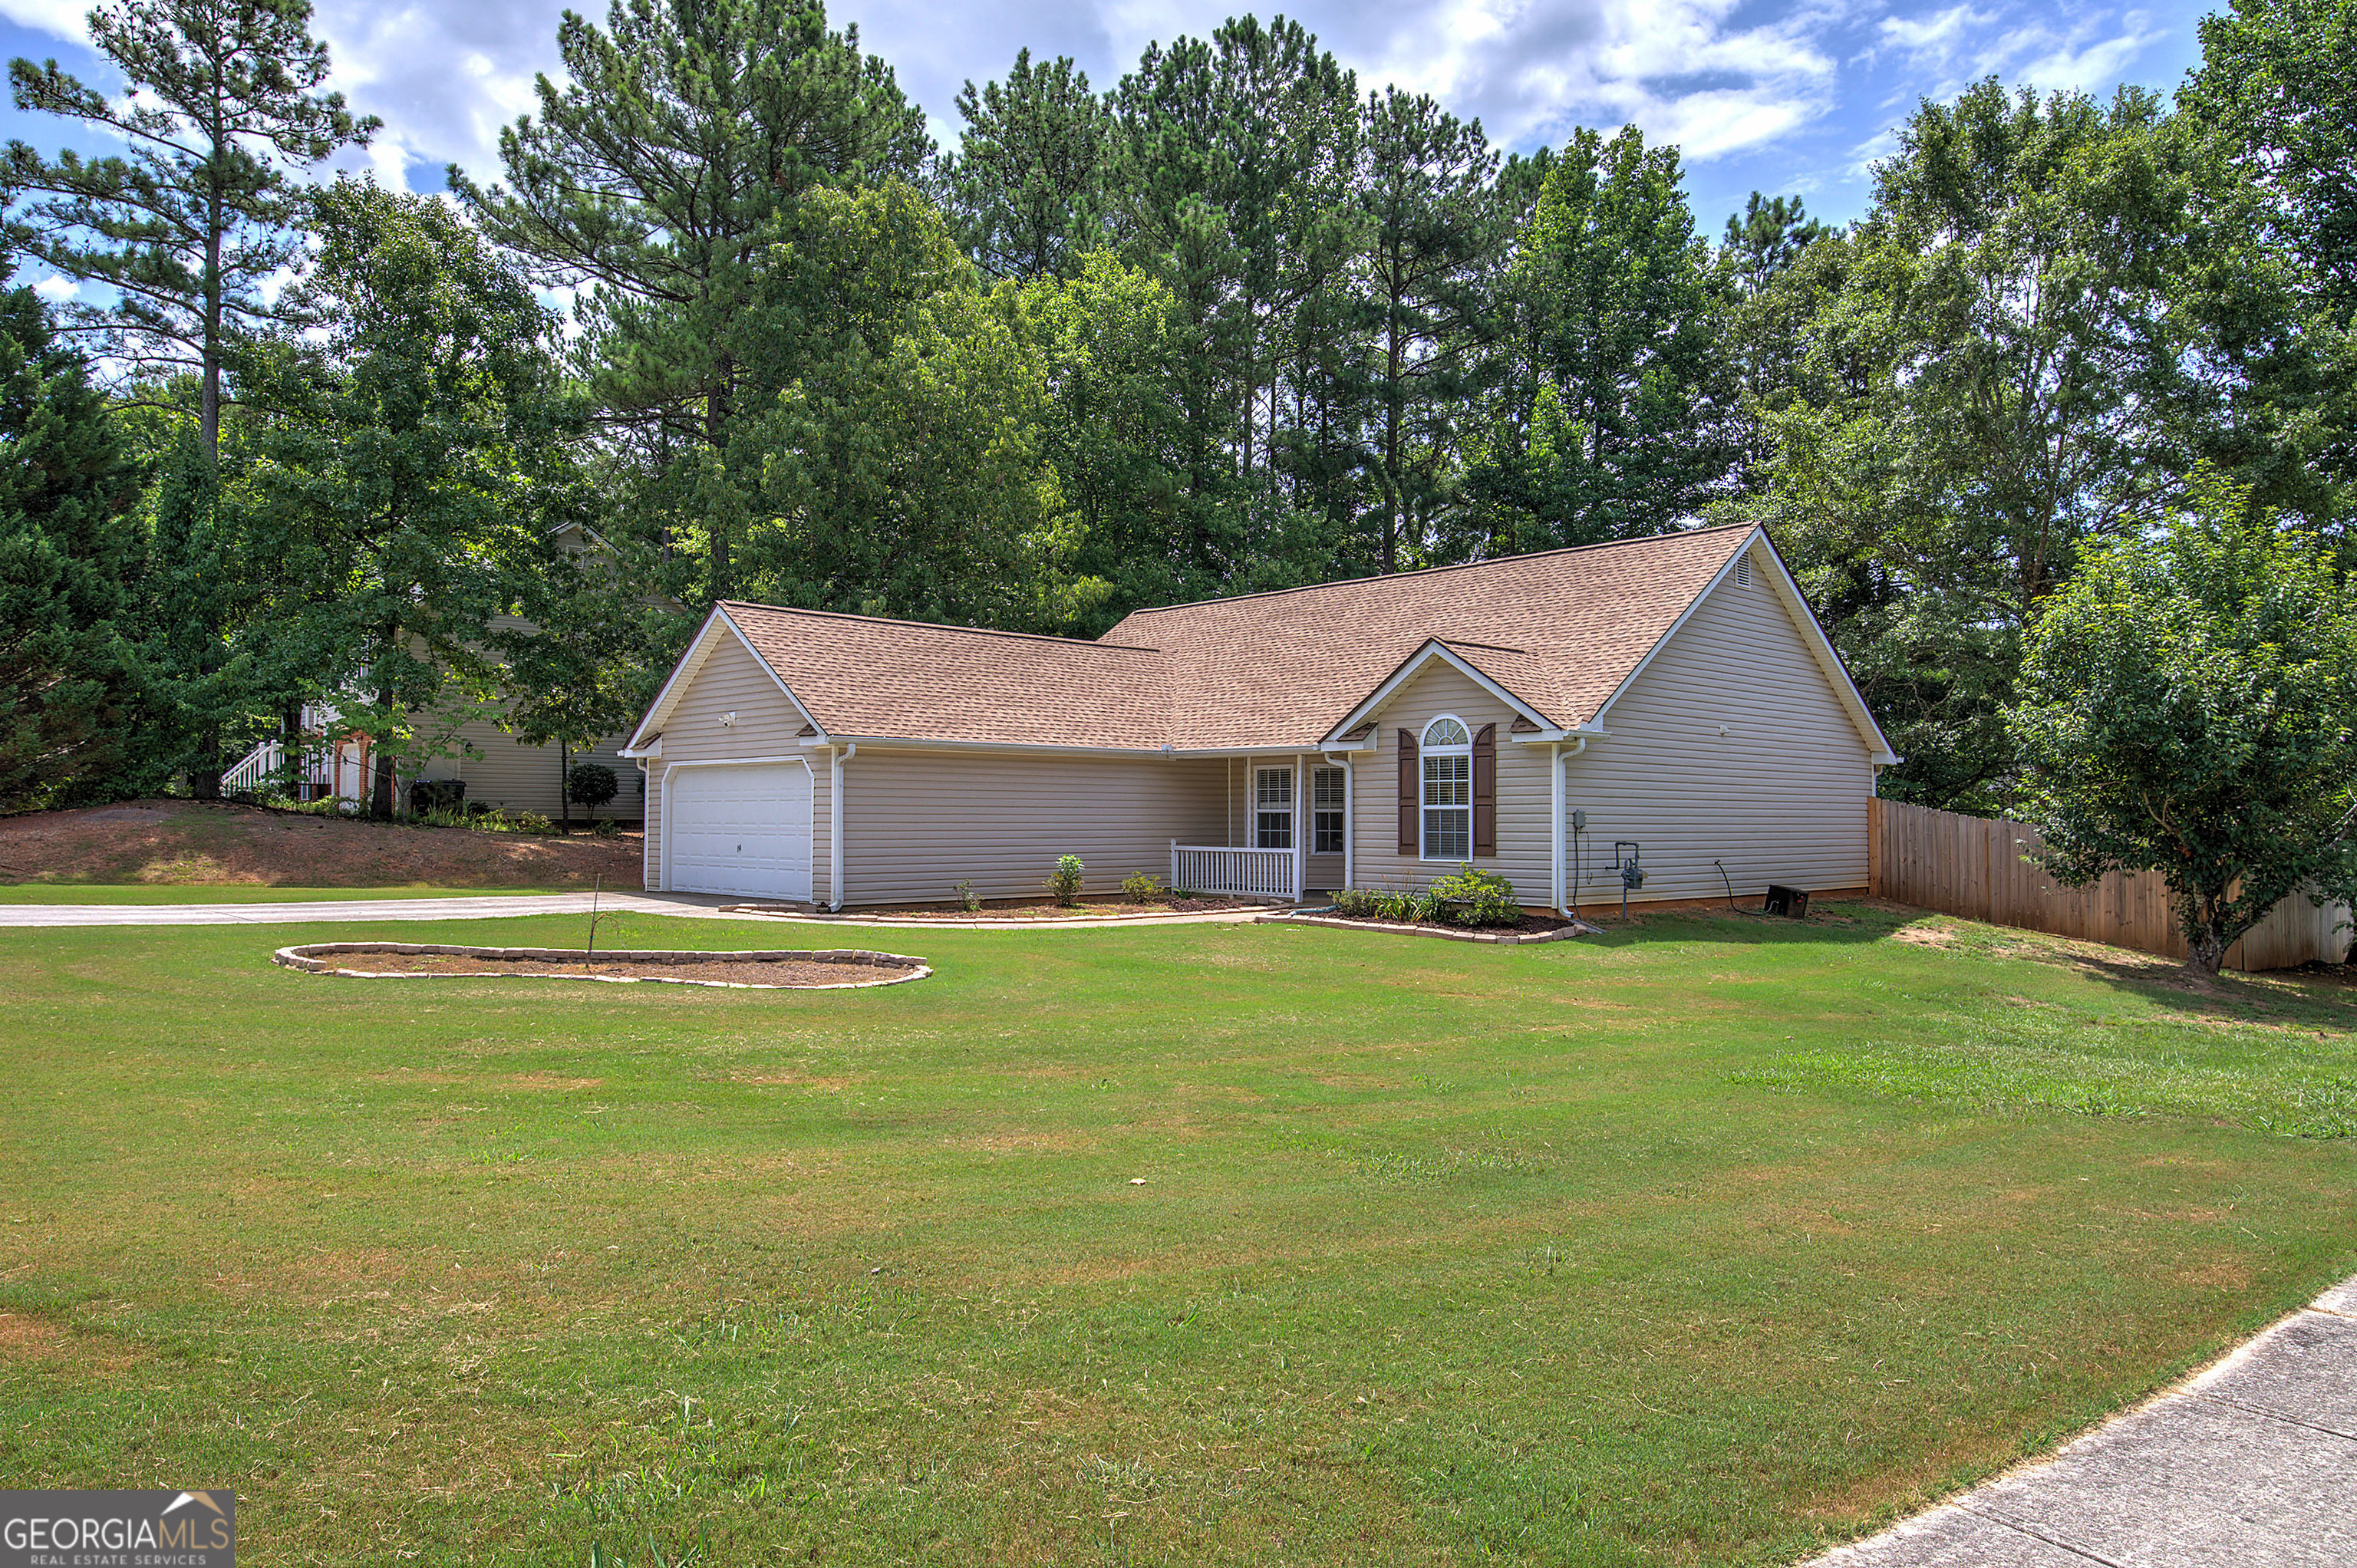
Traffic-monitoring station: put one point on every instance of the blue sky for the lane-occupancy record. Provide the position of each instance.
(1787, 96)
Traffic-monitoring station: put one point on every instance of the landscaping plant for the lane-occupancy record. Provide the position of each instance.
(1472, 897)
(2189, 707)
(1064, 882)
(1141, 887)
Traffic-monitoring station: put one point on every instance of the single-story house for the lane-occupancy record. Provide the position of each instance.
(1551, 717)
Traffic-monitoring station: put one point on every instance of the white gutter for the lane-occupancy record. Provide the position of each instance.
(835, 824)
(1554, 769)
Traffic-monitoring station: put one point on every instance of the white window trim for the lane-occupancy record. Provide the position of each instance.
(1424, 808)
(1285, 810)
(1340, 809)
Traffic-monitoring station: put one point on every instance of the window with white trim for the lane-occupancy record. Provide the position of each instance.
(1273, 808)
(1447, 753)
(1326, 807)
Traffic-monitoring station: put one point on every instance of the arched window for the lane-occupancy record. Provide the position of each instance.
(1447, 752)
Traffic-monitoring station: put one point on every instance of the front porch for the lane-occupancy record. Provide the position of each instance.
(1286, 831)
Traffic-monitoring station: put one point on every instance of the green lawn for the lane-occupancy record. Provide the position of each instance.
(1710, 1242)
(234, 893)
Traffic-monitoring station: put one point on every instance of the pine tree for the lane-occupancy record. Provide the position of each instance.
(223, 110)
(68, 551)
(1027, 185)
(1433, 223)
(1614, 412)
(659, 175)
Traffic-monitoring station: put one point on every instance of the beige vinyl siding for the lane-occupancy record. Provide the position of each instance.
(519, 778)
(514, 776)
(768, 725)
(915, 823)
(1523, 845)
(1781, 796)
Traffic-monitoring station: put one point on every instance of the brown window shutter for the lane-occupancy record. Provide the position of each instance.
(1411, 795)
(1485, 790)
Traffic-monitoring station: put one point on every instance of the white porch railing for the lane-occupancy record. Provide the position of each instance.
(1239, 873)
(322, 774)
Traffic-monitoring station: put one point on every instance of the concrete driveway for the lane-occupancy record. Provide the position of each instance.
(2251, 1463)
(493, 907)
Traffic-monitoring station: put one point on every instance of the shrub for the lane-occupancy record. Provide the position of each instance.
(968, 899)
(1471, 896)
(1064, 882)
(434, 799)
(1359, 904)
(1141, 886)
(590, 784)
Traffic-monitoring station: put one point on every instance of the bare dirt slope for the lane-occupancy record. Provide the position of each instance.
(182, 842)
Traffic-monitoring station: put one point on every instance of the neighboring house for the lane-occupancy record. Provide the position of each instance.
(1675, 691)
(501, 770)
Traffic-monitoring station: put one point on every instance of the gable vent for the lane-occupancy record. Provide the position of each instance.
(1743, 571)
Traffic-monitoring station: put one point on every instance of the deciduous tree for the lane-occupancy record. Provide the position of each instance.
(2189, 707)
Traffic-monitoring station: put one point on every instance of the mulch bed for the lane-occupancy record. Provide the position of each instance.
(835, 970)
(1529, 928)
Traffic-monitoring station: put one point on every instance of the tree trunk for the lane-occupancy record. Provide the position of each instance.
(290, 749)
(205, 765)
(380, 787)
(564, 787)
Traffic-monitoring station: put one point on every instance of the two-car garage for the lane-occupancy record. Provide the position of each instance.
(743, 828)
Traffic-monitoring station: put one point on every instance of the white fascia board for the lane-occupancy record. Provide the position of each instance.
(808, 717)
(1829, 659)
(699, 648)
(1433, 649)
(653, 748)
(691, 663)
(1836, 675)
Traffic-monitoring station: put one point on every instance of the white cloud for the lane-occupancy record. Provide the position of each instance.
(59, 19)
(56, 289)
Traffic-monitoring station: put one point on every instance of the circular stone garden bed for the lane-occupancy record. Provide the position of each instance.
(838, 969)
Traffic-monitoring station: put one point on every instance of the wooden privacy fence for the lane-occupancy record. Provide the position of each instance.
(1979, 867)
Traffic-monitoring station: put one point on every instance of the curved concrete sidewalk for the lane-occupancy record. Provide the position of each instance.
(698, 906)
(2252, 1462)
(486, 908)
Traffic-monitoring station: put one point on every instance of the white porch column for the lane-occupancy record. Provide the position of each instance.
(1555, 819)
(1300, 824)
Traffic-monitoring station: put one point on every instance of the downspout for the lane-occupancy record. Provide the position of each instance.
(1555, 821)
(835, 823)
(1562, 887)
(646, 840)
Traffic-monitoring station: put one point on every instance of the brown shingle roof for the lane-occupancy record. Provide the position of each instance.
(913, 681)
(1561, 631)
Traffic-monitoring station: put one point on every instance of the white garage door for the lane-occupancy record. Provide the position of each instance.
(739, 827)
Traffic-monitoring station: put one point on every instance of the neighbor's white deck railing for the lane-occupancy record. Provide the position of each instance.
(1241, 872)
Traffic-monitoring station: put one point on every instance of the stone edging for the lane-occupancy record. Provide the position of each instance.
(307, 959)
(1498, 939)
